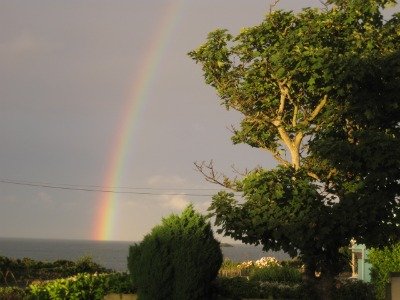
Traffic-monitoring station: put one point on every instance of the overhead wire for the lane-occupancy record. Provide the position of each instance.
(114, 190)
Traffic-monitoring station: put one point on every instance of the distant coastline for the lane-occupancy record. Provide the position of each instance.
(112, 255)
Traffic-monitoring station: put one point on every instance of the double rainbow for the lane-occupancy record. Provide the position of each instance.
(106, 210)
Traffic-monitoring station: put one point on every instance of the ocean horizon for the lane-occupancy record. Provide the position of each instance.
(110, 254)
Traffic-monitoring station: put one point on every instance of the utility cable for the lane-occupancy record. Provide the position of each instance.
(99, 190)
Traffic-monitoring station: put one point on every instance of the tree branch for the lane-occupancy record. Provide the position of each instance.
(295, 113)
(271, 6)
(243, 173)
(209, 173)
(297, 140)
(279, 158)
(313, 175)
(317, 110)
(284, 94)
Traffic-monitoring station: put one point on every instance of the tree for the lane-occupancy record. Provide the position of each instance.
(319, 90)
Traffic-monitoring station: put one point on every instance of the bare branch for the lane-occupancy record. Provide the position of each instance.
(325, 4)
(271, 6)
(209, 173)
(232, 129)
(241, 173)
(279, 158)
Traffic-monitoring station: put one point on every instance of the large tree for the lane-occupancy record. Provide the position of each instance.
(319, 90)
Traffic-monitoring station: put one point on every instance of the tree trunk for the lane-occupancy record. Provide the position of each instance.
(324, 287)
(321, 286)
(295, 155)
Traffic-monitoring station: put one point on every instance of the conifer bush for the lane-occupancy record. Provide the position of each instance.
(177, 260)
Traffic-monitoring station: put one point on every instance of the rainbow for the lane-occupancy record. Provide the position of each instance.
(106, 210)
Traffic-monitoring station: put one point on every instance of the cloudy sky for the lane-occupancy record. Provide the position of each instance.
(68, 71)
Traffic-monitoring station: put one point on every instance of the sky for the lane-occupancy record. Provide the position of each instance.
(101, 95)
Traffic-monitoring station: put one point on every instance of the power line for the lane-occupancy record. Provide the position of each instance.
(105, 187)
(99, 189)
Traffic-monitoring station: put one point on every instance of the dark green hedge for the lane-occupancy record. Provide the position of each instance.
(178, 260)
(241, 287)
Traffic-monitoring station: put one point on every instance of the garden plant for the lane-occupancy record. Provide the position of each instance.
(178, 259)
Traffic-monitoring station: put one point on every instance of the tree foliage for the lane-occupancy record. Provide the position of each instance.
(319, 90)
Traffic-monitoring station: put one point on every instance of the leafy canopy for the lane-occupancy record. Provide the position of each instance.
(319, 90)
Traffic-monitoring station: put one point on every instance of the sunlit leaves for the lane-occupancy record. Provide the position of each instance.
(323, 84)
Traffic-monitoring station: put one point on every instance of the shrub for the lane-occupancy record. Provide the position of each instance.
(119, 283)
(149, 263)
(236, 288)
(178, 260)
(12, 293)
(276, 274)
(354, 289)
(279, 290)
(384, 261)
(240, 287)
(264, 262)
(229, 268)
(22, 272)
(85, 264)
(82, 287)
(293, 263)
(229, 264)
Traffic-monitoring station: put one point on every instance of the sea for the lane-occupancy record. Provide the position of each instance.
(110, 254)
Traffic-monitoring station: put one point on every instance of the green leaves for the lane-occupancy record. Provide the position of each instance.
(384, 261)
(322, 85)
(278, 205)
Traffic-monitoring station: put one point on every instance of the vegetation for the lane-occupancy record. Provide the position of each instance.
(21, 272)
(44, 280)
(354, 289)
(82, 286)
(240, 287)
(384, 261)
(319, 90)
(265, 278)
(276, 274)
(178, 260)
(12, 293)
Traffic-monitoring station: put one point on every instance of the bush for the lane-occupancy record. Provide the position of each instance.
(293, 263)
(12, 293)
(81, 286)
(178, 260)
(240, 287)
(383, 262)
(85, 264)
(21, 272)
(354, 289)
(119, 283)
(236, 288)
(279, 290)
(276, 274)
(230, 268)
